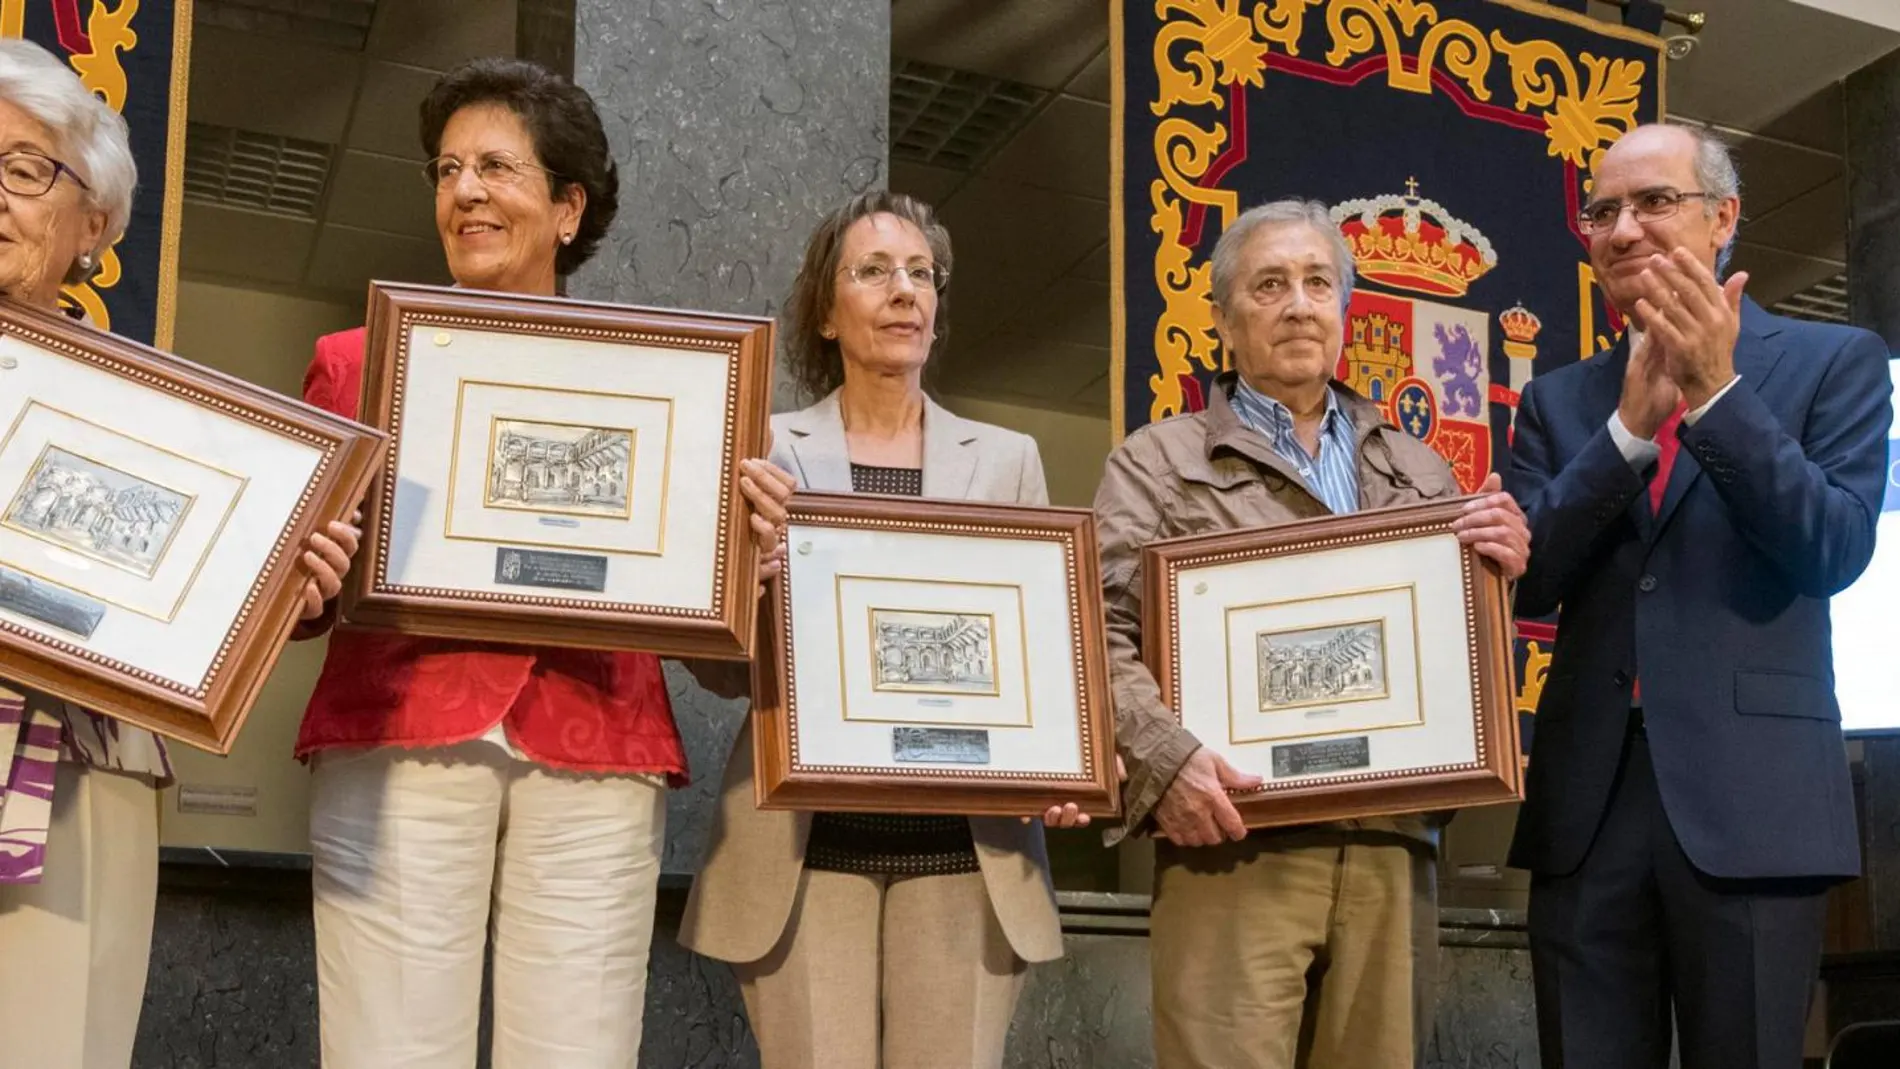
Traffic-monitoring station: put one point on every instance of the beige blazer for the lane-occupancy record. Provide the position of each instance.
(745, 890)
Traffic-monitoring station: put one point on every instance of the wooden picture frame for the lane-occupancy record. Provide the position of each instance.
(878, 588)
(152, 519)
(1380, 676)
(561, 472)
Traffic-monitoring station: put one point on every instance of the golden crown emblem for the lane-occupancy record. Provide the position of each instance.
(1520, 324)
(1411, 243)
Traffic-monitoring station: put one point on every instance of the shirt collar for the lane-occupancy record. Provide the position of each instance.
(1270, 417)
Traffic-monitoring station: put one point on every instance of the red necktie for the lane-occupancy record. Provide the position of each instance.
(1667, 441)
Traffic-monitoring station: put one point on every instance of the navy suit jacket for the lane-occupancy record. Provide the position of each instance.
(1720, 600)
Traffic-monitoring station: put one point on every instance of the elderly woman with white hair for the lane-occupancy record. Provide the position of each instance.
(78, 812)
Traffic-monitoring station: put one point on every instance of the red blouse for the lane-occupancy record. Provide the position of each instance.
(585, 710)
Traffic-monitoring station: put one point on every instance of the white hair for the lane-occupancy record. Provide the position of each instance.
(1274, 213)
(89, 136)
(1715, 172)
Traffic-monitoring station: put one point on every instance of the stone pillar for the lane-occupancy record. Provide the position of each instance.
(1873, 263)
(736, 124)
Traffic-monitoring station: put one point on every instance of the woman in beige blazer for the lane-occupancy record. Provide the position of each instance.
(863, 941)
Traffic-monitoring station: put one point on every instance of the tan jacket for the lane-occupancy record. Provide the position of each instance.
(745, 890)
(1207, 472)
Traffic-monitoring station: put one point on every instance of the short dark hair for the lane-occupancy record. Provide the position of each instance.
(564, 124)
(815, 362)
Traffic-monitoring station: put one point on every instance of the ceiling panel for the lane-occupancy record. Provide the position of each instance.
(1051, 372)
(1814, 224)
(1775, 172)
(1037, 231)
(440, 34)
(1094, 397)
(1038, 42)
(984, 296)
(1819, 122)
(1757, 58)
(1070, 310)
(1876, 12)
(385, 119)
(346, 259)
(1775, 273)
(273, 85)
(931, 185)
(1096, 80)
(1095, 267)
(1064, 148)
(243, 244)
(381, 193)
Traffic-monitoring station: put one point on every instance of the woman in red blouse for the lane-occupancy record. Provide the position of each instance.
(461, 785)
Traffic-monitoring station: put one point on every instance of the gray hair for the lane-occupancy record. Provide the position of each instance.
(1715, 172)
(1278, 213)
(91, 137)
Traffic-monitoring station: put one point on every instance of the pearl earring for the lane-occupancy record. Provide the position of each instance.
(85, 261)
(567, 239)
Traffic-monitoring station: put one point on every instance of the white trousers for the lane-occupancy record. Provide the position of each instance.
(419, 855)
(74, 947)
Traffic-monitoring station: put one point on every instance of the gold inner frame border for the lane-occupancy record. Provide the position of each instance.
(1418, 668)
(455, 459)
(844, 689)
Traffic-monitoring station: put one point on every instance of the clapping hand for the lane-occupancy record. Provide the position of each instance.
(1695, 321)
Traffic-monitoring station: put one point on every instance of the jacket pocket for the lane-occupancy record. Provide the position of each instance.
(1760, 693)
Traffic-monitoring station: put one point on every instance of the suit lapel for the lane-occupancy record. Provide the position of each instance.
(1598, 398)
(817, 435)
(949, 453)
(1755, 358)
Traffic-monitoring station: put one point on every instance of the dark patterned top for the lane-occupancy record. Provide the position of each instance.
(866, 479)
(877, 844)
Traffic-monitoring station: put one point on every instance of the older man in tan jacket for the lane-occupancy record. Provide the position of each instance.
(1307, 946)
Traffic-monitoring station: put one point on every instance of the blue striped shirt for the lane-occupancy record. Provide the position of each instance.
(1333, 476)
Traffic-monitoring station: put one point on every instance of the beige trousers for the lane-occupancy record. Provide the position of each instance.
(873, 972)
(420, 854)
(1315, 949)
(74, 947)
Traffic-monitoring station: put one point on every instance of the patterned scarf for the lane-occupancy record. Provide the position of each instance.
(29, 750)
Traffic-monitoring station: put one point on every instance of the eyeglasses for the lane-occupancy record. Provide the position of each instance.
(879, 272)
(31, 174)
(1649, 206)
(492, 169)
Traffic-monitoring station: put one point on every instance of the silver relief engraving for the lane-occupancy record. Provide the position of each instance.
(97, 511)
(560, 467)
(934, 652)
(1317, 665)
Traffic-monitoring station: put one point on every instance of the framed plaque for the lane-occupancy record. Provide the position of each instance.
(152, 516)
(1359, 664)
(934, 657)
(560, 472)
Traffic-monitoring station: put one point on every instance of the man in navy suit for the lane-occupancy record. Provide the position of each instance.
(1695, 495)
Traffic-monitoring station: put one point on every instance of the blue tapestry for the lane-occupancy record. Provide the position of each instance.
(135, 55)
